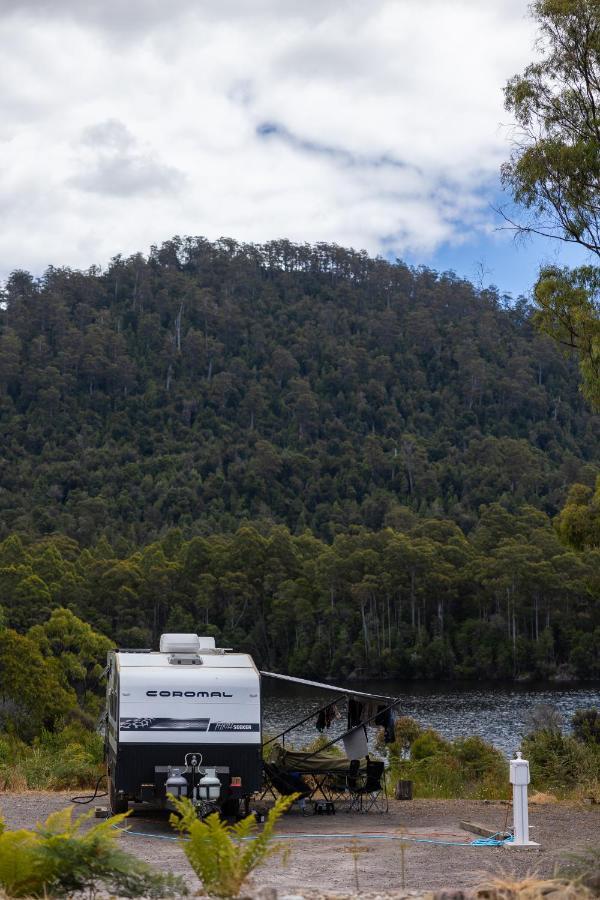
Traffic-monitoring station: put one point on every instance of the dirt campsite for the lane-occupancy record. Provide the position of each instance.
(419, 846)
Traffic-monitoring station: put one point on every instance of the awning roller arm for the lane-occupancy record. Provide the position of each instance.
(348, 692)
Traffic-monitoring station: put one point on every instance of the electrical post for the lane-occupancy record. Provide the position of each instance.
(519, 778)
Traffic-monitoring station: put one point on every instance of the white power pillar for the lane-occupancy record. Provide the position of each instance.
(519, 778)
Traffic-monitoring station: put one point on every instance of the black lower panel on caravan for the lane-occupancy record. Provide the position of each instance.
(136, 765)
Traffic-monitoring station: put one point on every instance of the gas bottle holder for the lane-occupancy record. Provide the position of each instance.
(193, 760)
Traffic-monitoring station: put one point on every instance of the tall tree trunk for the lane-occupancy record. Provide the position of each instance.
(365, 630)
(178, 328)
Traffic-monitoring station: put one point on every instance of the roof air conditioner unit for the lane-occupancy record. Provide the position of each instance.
(180, 643)
(206, 643)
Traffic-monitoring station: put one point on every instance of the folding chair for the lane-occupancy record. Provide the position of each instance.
(285, 783)
(368, 793)
(341, 786)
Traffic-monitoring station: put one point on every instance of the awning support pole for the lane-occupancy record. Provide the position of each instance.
(302, 721)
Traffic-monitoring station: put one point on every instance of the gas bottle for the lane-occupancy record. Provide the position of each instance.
(209, 786)
(176, 784)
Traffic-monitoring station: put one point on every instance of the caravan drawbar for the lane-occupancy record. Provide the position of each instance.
(185, 719)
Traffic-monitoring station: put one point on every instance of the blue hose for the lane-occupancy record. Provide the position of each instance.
(495, 841)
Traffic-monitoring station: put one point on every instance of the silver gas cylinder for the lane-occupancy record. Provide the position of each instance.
(176, 784)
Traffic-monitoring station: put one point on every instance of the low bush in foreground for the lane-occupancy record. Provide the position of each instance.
(60, 857)
(532, 888)
(583, 868)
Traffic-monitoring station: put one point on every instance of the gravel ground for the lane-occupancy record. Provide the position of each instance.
(338, 851)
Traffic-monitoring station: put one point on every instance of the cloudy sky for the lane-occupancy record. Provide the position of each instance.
(374, 124)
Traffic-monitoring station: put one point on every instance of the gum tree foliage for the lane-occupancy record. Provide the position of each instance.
(506, 601)
(554, 170)
(79, 651)
(212, 384)
(578, 523)
(32, 695)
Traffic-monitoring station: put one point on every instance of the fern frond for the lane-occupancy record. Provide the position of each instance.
(223, 855)
(244, 828)
(22, 871)
(59, 858)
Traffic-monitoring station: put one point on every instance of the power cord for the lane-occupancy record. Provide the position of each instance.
(88, 798)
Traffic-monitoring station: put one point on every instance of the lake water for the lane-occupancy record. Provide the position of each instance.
(496, 713)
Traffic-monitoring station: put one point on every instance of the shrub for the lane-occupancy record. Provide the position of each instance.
(543, 717)
(467, 767)
(429, 743)
(12, 750)
(556, 760)
(586, 726)
(562, 763)
(223, 855)
(406, 731)
(60, 857)
(436, 776)
(479, 759)
(71, 758)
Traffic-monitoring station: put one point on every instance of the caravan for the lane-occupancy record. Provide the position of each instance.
(184, 720)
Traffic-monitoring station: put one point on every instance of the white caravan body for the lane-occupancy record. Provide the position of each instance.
(214, 703)
(189, 697)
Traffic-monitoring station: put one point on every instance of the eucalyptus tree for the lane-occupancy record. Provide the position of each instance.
(554, 170)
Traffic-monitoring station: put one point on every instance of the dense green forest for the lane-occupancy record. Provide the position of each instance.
(343, 465)
(426, 602)
(217, 383)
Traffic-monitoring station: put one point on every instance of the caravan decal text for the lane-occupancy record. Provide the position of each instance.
(233, 726)
(187, 694)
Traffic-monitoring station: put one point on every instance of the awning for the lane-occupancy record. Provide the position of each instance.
(349, 692)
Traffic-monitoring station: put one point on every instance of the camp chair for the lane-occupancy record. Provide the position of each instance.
(342, 786)
(368, 792)
(285, 783)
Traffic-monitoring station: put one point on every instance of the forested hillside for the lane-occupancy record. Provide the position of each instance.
(342, 465)
(213, 384)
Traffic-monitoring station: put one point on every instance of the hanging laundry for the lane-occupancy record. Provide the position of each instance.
(372, 713)
(385, 720)
(355, 743)
(327, 716)
(354, 712)
(360, 713)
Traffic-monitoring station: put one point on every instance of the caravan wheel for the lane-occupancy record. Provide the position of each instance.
(230, 809)
(117, 804)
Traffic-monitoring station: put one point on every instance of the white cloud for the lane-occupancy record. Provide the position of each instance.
(376, 125)
(113, 163)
